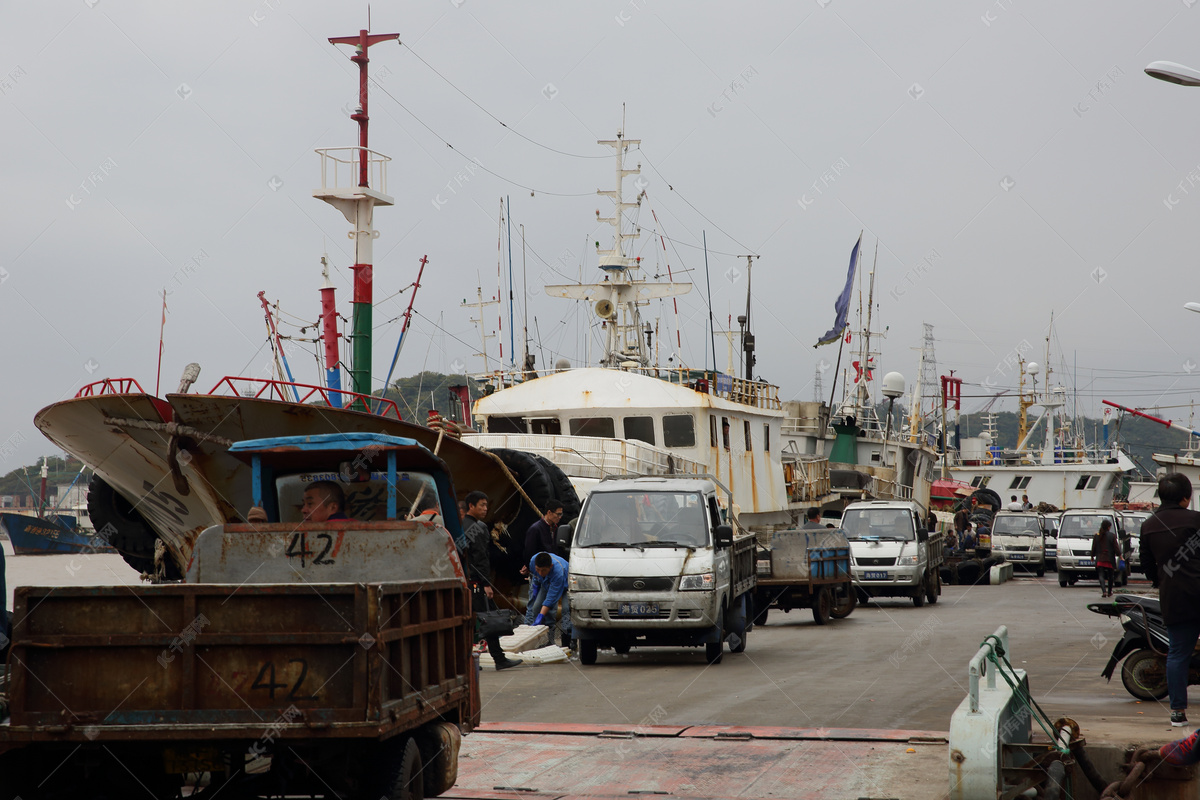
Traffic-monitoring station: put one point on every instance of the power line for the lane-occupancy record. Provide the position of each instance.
(499, 121)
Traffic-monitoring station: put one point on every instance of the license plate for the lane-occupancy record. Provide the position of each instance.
(638, 609)
(875, 576)
(1086, 562)
(1017, 556)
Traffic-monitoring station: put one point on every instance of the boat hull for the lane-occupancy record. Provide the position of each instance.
(169, 460)
(37, 536)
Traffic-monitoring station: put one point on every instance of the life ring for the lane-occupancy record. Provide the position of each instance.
(991, 458)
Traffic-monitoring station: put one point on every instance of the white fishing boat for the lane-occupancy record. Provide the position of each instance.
(630, 414)
(1060, 469)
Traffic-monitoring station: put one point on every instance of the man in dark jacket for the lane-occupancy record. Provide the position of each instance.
(478, 566)
(1169, 546)
(540, 536)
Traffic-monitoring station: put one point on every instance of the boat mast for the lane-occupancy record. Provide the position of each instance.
(357, 204)
(333, 372)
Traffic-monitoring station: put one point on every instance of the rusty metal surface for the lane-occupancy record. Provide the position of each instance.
(336, 551)
(609, 765)
(114, 663)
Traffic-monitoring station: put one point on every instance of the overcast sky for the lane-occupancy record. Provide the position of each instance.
(1011, 160)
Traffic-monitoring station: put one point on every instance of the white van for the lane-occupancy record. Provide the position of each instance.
(1075, 532)
(1020, 536)
(891, 552)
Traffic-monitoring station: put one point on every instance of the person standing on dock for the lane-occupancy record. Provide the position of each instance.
(477, 563)
(812, 519)
(1169, 541)
(540, 536)
(1106, 550)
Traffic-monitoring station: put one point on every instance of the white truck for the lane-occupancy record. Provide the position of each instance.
(892, 553)
(1020, 536)
(653, 562)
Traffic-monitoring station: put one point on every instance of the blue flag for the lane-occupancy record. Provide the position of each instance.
(842, 304)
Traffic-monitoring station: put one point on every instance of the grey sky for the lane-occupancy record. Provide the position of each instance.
(1011, 160)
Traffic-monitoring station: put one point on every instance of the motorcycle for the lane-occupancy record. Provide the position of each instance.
(1143, 648)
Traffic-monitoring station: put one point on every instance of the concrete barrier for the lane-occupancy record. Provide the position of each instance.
(1000, 573)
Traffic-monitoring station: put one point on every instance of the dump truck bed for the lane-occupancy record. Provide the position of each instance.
(211, 661)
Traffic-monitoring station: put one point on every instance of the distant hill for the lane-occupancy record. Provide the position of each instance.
(28, 479)
(417, 394)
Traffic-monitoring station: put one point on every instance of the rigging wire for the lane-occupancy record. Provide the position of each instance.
(501, 122)
(476, 161)
(658, 172)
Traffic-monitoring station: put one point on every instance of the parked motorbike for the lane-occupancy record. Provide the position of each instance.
(1143, 647)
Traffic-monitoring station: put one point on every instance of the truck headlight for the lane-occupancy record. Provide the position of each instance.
(691, 583)
(585, 583)
(906, 561)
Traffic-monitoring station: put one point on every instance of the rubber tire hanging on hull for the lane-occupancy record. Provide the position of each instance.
(119, 523)
(544, 482)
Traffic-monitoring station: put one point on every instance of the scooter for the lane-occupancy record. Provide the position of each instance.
(1143, 647)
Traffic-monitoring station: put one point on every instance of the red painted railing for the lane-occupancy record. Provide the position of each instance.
(111, 386)
(283, 390)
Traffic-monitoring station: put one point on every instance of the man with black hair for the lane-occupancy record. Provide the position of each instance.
(1169, 546)
(477, 564)
(547, 586)
(323, 501)
(540, 536)
(812, 519)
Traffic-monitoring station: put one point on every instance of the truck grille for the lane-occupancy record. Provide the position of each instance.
(640, 584)
(875, 562)
(1018, 548)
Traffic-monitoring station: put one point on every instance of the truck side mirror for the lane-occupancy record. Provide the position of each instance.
(922, 535)
(724, 536)
(564, 536)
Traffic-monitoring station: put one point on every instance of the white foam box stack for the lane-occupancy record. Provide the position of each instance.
(525, 637)
(551, 654)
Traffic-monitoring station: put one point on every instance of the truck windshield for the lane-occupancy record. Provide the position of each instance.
(643, 519)
(884, 523)
(1015, 526)
(1080, 526)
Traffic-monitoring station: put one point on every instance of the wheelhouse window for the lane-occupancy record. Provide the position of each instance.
(545, 425)
(679, 430)
(725, 432)
(600, 427)
(766, 437)
(980, 481)
(746, 431)
(1020, 481)
(506, 425)
(640, 428)
(712, 431)
(1094, 482)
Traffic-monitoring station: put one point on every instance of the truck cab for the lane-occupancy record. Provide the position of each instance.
(892, 552)
(653, 562)
(1020, 536)
(1076, 529)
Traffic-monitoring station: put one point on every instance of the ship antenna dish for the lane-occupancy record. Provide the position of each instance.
(562, 364)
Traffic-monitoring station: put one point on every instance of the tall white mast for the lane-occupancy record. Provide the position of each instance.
(617, 298)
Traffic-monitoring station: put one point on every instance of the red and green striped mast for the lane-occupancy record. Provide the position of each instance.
(349, 190)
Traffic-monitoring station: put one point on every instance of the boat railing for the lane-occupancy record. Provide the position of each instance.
(111, 386)
(340, 168)
(285, 391)
(590, 456)
(807, 479)
(758, 394)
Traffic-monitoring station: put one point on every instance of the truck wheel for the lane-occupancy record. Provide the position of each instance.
(399, 771)
(713, 652)
(587, 651)
(1041, 570)
(621, 649)
(1144, 674)
(845, 598)
(933, 586)
(822, 605)
(762, 605)
(918, 597)
(740, 621)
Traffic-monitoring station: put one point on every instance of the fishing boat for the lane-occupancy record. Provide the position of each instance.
(56, 533)
(632, 414)
(161, 467)
(1061, 469)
